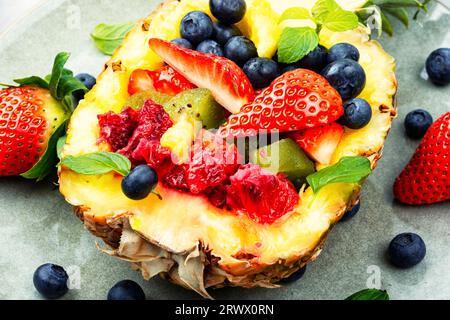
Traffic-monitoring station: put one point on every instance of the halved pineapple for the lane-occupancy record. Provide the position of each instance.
(183, 237)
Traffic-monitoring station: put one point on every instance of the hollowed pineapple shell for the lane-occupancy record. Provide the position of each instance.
(183, 237)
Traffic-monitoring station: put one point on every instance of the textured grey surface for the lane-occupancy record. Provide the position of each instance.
(37, 226)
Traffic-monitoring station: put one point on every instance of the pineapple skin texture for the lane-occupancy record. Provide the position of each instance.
(183, 237)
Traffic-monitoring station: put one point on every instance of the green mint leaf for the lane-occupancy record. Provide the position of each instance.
(332, 16)
(295, 43)
(341, 20)
(98, 163)
(369, 294)
(398, 3)
(47, 162)
(322, 8)
(59, 146)
(386, 25)
(108, 38)
(347, 170)
(295, 13)
(400, 14)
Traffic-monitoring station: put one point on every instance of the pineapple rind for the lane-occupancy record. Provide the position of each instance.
(184, 230)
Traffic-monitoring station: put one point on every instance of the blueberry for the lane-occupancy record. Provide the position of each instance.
(223, 32)
(88, 81)
(316, 60)
(351, 213)
(299, 183)
(343, 51)
(406, 250)
(289, 67)
(183, 43)
(228, 11)
(261, 72)
(240, 50)
(196, 26)
(138, 184)
(438, 66)
(357, 114)
(126, 290)
(346, 76)
(294, 277)
(210, 46)
(50, 281)
(417, 123)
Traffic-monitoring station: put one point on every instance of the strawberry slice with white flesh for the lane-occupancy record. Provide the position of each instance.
(227, 82)
(319, 143)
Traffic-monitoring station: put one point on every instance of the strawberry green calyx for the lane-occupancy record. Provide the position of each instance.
(61, 83)
(50, 100)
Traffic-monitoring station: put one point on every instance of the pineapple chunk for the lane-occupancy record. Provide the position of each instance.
(179, 139)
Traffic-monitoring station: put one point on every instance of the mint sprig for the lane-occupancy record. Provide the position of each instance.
(98, 163)
(296, 43)
(347, 170)
(369, 294)
(388, 9)
(108, 37)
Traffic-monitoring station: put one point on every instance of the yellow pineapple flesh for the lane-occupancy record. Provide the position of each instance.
(183, 236)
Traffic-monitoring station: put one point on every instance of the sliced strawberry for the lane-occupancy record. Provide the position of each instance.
(297, 100)
(172, 82)
(226, 81)
(321, 142)
(167, 81)
(141, 80)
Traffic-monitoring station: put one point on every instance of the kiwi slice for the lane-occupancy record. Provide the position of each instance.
(137, 100)
(284, 156)
(198, 105)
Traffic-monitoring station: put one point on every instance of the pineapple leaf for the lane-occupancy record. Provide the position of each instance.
(369, 294)
(347, 170)
(98, 163)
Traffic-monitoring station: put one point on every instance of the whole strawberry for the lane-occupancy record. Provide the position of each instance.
(426, 179)
(297, 100)
(32, 118)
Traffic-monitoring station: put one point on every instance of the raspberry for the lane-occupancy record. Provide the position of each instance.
(212, 162)
(153, 123)
(136, 134)
(117, 128)
(262, 195)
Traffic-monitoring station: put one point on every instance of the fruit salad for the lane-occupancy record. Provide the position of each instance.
(214, 90)
(225, 147)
